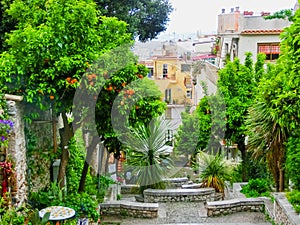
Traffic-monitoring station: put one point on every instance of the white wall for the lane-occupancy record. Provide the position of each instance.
(248, 43)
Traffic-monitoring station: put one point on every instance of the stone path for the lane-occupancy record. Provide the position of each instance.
(192, 213)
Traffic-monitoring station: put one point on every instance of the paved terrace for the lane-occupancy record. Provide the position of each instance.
(192, 213)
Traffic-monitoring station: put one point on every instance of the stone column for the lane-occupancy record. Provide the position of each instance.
(16, 148)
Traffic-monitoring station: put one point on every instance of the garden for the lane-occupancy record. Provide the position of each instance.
(78, 96)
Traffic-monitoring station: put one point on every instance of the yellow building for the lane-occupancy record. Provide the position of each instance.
(172, 75)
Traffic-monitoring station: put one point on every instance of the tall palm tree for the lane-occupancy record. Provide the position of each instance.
(214, 171)
(267, 138)
(146, 152)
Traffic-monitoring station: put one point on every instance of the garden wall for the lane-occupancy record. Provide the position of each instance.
(179, 195)
(225, 207)
(38, 153)
(16, 148)
(282, 211)
(132, 209)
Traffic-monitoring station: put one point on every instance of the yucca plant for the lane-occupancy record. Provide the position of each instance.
(214, 171)
(146, 153)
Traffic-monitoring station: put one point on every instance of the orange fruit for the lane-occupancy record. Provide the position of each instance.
(51, 97)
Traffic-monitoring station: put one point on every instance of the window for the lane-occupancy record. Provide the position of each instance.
(150, 74)
(165, 70)
(271, 50)
(226, 48)
(189, 93)
(185, 67)
(169, 137)
(168, 95)
(168, 113)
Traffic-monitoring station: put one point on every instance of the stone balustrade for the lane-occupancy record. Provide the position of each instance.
(179, 195)
(224, 207)
(130, 209)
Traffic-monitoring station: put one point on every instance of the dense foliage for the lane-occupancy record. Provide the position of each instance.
(256, 188)
(146, 18)
(292, 164)
(274, 116)
(294, 199)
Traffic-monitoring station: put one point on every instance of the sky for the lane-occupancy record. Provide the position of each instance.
(192, 16)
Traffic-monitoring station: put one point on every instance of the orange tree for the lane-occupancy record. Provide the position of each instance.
(127, 99)
(51, 49)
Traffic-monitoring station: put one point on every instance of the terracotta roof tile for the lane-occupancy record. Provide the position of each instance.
(274, 31)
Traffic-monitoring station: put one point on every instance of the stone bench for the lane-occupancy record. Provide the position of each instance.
(190, 186)
(130, 209)
(224, 207)
(179, 195)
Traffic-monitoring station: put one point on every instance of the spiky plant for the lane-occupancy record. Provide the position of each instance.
(214, 171)
(146, 153)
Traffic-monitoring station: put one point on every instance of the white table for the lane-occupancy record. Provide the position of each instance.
(58, 213)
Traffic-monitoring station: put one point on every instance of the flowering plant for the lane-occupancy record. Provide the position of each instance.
(9, 175)
(120, 179)
(7, 168)
(5, 130)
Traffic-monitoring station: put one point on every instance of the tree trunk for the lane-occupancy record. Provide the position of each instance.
(83, 177)
(242, 148)
(281, 178)
(89, 153)
(66, 134)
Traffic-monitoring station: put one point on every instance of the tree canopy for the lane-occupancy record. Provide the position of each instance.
(62, 48)
(146, 18)
(238, 84)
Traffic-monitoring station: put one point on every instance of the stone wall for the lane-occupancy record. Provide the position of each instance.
(283, 212)
(218, 208)
(38, 154)
(16, 148)
(179, 195)
(279, 210)
(131, 209)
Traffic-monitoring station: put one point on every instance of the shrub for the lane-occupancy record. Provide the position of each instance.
(256, 187)
(82, 203)
(293, 161)
(294, 198)
(214, 171)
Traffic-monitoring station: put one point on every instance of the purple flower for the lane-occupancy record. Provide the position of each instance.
(5, 129)
(3, 138)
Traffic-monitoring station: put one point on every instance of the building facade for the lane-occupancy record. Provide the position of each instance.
(241, 32)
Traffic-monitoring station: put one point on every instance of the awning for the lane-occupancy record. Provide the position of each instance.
(207, 56)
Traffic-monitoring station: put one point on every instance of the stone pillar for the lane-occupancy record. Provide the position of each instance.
(16, 147)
